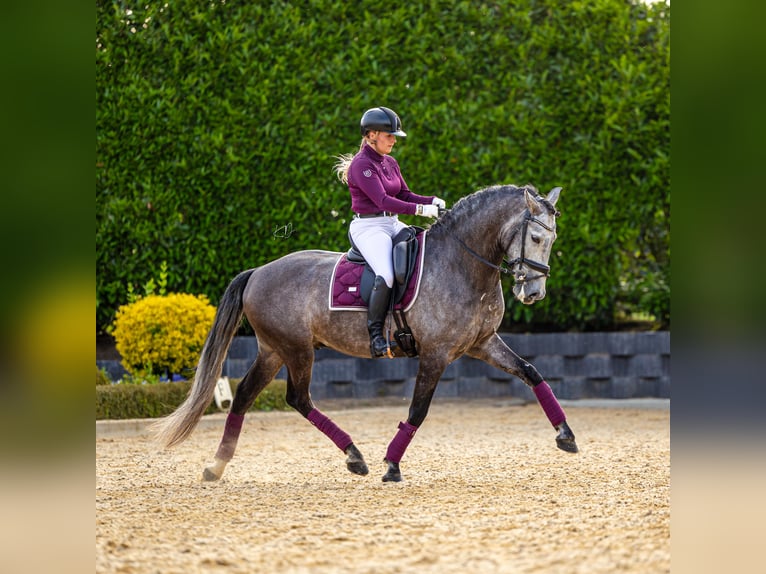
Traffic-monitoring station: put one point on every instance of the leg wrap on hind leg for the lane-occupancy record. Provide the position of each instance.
(230, 435)
(400, 442)
(341, 439)
(550, 404)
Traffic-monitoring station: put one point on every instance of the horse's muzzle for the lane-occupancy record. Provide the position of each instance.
(529, 293)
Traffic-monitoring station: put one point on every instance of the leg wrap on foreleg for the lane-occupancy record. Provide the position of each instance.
(341, 439)
(400, 442)
(230, 436)
(550, 404)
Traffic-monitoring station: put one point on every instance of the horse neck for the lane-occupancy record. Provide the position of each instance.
(488, 227)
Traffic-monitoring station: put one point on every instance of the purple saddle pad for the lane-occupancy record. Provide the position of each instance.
(346, 290)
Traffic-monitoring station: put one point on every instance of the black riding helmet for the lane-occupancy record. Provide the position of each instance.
(382, 119)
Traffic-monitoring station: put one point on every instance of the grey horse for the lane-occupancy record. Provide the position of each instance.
(457, 312)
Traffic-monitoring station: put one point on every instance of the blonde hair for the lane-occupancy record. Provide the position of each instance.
(343, 163)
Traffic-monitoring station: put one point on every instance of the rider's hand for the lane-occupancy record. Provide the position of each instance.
(438, 202)
(427, 210)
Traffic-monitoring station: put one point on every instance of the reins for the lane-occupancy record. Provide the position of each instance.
(543, 269)
(480, 258)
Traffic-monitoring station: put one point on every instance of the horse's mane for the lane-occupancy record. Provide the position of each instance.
(475, 201)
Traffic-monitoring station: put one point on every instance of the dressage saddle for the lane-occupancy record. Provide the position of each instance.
(404, 255)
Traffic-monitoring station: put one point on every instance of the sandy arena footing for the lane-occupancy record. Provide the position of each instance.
(485, 490)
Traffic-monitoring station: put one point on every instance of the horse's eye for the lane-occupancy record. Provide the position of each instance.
(535, 238)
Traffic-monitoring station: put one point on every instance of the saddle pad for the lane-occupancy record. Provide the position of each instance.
(345, 285)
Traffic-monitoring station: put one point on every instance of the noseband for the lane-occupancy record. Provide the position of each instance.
(543, 269)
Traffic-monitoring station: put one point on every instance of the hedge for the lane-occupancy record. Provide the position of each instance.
(128, 401)
(217, 124)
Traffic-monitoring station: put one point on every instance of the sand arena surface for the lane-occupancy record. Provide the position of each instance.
(485, 490)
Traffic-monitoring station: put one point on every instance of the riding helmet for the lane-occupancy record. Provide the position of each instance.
(381, 119)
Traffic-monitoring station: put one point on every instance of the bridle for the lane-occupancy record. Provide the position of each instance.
(542, 269)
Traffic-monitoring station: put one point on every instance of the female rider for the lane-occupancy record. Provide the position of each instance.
(378, 194)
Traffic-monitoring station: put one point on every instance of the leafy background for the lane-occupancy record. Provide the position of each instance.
(217, 124)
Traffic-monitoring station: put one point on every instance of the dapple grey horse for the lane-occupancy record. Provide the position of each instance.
(457, 312)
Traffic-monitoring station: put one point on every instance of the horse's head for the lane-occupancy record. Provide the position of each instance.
(530, 250)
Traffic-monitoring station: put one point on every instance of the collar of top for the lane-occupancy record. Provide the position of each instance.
(372, 154)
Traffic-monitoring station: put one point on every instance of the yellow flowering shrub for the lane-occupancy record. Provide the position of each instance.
(162, 334)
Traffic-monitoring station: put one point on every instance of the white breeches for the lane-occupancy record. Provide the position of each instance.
(372, 237)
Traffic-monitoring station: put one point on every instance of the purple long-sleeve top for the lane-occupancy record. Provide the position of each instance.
(376, 185)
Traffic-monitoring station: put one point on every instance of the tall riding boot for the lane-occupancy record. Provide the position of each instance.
(377, 309)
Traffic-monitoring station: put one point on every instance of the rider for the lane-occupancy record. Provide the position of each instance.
(378, 194)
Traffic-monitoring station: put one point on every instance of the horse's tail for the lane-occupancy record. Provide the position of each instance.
(177, 426)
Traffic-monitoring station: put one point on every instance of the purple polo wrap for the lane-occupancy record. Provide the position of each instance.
(550, 404)
(335, 434)
(230, 435)
(400, 442)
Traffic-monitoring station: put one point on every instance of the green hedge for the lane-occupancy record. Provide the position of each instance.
(129, 401)
(217, 123)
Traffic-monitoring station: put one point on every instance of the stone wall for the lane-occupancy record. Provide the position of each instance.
(576, 365)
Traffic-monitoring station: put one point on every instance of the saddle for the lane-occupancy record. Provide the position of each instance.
(404, 255)
(405, 259)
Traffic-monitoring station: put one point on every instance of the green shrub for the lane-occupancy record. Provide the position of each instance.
(153, 401)
(160, 335)
(102, 377)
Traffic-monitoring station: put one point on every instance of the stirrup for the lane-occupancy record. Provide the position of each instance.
(387, 352)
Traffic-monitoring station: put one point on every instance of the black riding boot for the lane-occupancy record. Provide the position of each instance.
(377, 310)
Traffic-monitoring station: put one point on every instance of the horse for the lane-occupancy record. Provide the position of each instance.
(501, 229)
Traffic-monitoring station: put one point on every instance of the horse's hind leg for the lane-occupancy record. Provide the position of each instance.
(298, 397)
(260, 374)
(495, 352)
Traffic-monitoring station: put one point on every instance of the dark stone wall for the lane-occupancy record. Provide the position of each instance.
(576, 365)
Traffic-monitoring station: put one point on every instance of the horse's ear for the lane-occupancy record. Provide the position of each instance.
(534, 206)
(553, 196)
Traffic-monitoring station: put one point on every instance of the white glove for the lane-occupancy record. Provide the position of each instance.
(427, 210)
(438, 202)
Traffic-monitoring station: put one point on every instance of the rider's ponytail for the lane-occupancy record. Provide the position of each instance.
(344, 161)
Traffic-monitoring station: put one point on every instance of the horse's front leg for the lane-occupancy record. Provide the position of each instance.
(495, 352)
(429, 371)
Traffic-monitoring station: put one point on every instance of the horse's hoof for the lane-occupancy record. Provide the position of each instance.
(393, 474)
(355, 461)
(359, 468)
(566, 438)
(567, 444)
(209, 476)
